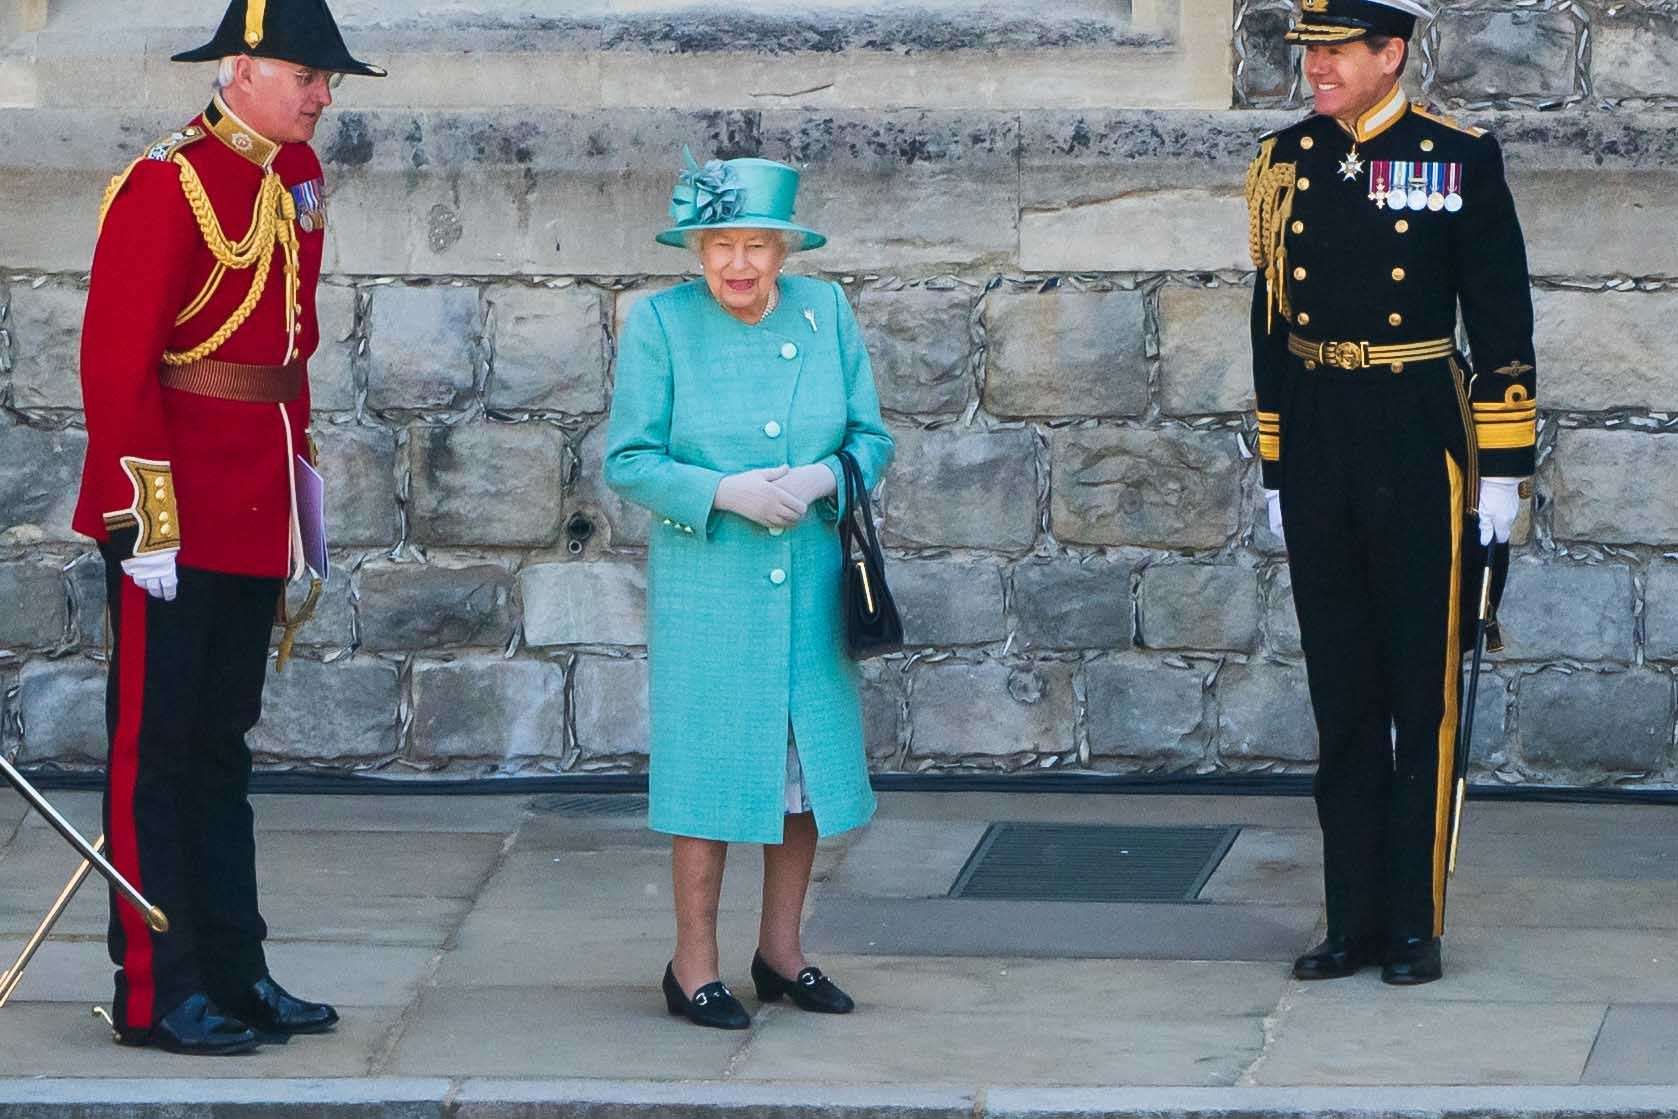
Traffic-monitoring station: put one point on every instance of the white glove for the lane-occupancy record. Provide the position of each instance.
(1273, 505)
(1500, 504)
(155, 573)
(809, 484)
(755, 496)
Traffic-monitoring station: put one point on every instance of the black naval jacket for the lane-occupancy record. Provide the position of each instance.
(1337, 265)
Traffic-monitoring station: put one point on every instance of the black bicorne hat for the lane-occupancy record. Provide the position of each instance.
(1346, 21)
(298, 31)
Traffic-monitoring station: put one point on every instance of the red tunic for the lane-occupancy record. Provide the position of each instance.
(230, 460)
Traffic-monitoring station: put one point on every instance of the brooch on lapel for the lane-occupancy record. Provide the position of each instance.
(810, 317)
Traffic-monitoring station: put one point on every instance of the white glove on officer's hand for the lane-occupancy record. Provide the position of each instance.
(755, 496)
(1273, 505)
(1500, 504)
(155, 573)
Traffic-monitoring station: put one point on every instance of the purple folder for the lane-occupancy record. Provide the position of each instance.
(311, 518)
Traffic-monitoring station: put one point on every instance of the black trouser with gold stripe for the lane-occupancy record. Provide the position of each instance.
(185, 686)
(1373, 512)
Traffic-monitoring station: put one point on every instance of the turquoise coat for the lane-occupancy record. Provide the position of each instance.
(744, 628)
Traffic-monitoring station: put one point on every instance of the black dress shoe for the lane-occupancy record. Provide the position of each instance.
(270, 1009)
(196, 1028)
(1336, 958)
(811, 991)
(1412, 961)
(713, 1005)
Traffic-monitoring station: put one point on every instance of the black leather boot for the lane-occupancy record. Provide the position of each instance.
(1412, 961)
(713, 1005)
(1336, 958)
(811, 991)
(269, 1008)
(196, 1028)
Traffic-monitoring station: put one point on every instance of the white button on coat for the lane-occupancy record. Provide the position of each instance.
(789, 351)
(776, 531)
(772, 429)
(777, 576)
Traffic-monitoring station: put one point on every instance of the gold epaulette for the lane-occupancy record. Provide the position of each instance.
(163, 151)
(1426, 112)
(1270, 193)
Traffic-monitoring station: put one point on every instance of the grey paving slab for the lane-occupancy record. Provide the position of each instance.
(959, 927)
(1270, 867)
(496, 815)
(559, 1032)
(1579, 903)
(1628, 856)
(355, 975)
(347, 864)
(936, 1047)
(613, 878)
(1534, 966)
(1569, 822)
(178, 1098)
(524, 947)
(1388, 1039)
(1024, 991)
(1283, 1103)
(81, 808)
(423, 922)
(64, 1039)
(1102, 808)
(498, 1099)
(1637, 1045)
(907, 858)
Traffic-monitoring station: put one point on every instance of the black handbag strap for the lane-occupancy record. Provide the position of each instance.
(857, 504)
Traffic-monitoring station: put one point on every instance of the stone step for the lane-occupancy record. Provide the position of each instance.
(673, 53)
(373, 1098)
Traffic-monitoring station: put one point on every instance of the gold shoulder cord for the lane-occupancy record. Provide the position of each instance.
(272, 227)
(1270, 193)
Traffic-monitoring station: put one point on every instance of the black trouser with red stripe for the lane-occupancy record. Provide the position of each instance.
(1372, 508)
(185, 686)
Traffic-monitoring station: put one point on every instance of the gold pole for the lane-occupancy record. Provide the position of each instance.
(14, 975)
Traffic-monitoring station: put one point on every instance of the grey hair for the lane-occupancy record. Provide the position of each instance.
(224, 75)
(790, 242)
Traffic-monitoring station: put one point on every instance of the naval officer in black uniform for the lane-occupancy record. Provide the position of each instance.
(1385, 450)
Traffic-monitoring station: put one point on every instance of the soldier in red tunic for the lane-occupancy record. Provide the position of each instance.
(200, 323)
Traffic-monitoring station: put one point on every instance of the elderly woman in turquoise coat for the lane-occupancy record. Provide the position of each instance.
(734, 395)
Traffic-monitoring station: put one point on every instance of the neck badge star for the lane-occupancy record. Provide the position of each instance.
(1352, 166)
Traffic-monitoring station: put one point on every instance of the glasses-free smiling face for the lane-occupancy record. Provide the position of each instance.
(1349, 79)
(740, 268)
(281, 100)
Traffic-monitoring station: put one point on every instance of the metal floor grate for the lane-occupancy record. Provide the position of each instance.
(1079, 862)
(592, 804)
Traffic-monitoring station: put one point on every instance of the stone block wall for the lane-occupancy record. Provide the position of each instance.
(1056, 303)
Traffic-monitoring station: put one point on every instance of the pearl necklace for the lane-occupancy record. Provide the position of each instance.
(769, 307)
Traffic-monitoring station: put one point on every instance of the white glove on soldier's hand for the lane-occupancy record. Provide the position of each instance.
(1500, 504)
(155, 573)
(1273, 506)
(755, 496)
(809, 484)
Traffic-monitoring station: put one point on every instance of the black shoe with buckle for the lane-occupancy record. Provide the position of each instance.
(713, 1005)
(270, 1009)
(195, 1028)
(1412, 961)
(1336, 958)
(811, 991)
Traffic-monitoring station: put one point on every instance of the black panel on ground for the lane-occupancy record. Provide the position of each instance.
(1078, 862)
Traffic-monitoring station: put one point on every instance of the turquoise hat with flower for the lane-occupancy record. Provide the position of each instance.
(736, 194)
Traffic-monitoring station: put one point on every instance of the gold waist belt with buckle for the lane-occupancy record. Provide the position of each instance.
(228, 380)
(1364, 355)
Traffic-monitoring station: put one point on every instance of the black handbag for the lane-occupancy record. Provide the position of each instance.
(872, 625)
